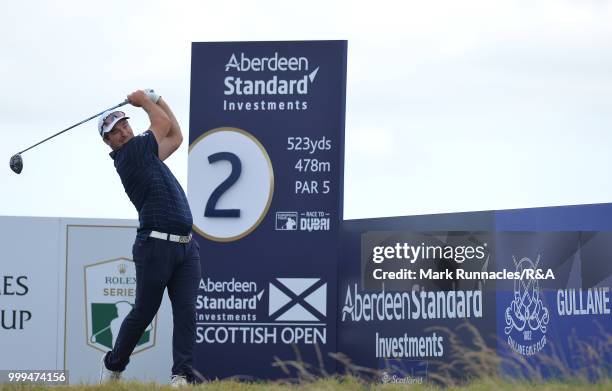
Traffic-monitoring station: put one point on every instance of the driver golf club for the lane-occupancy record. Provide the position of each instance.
(16, 162)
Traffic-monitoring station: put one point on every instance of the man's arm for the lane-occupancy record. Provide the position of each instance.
(160, 123)
(174, 138)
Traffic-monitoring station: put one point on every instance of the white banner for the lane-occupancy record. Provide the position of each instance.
(30, 288)
(65, 287)
(100, 292)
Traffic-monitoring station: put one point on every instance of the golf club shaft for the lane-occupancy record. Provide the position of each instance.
(75, 125)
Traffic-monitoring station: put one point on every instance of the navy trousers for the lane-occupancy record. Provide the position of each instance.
(162, 264)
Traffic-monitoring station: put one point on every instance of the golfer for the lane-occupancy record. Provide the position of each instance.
(164, 252)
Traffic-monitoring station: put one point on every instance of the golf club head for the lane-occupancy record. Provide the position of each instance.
(16, 163)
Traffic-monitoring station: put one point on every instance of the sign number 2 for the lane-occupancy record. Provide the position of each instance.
(211, 206)
(230, 184)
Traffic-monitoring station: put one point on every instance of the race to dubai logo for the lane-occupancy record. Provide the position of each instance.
(526, 318)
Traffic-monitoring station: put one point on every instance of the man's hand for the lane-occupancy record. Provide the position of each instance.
(152, 95)
(160, 123)
(138, 98)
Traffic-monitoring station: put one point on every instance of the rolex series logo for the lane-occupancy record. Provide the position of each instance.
(110, 291)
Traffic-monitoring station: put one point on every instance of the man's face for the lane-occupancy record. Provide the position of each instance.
(119, 135)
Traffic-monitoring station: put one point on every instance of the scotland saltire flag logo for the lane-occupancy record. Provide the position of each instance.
(298, 299)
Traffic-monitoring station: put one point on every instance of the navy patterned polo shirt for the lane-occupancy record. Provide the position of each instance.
(158, 197)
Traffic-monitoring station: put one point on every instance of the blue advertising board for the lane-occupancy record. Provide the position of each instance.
(557, 326)
(266, 151)
(539, 280)
(399, 300)
(288, 285)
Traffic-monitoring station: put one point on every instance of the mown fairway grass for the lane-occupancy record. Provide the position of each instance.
(344, 384)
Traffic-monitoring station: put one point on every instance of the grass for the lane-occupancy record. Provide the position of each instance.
(332, 384)
(469, 357)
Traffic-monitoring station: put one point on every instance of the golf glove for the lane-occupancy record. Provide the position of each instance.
(152, 95)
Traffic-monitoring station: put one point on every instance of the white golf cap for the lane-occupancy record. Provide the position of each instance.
(108, 119)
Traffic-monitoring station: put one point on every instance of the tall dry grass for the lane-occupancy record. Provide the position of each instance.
(471, 358)
(331, 384)
(472, 364)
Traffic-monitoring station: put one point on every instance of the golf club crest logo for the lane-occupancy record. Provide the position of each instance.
(110, 292)
(527, 317)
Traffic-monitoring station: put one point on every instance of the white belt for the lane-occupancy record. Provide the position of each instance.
(170, 237)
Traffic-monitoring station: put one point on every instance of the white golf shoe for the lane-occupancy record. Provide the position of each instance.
(177, 381)
(106, 375)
